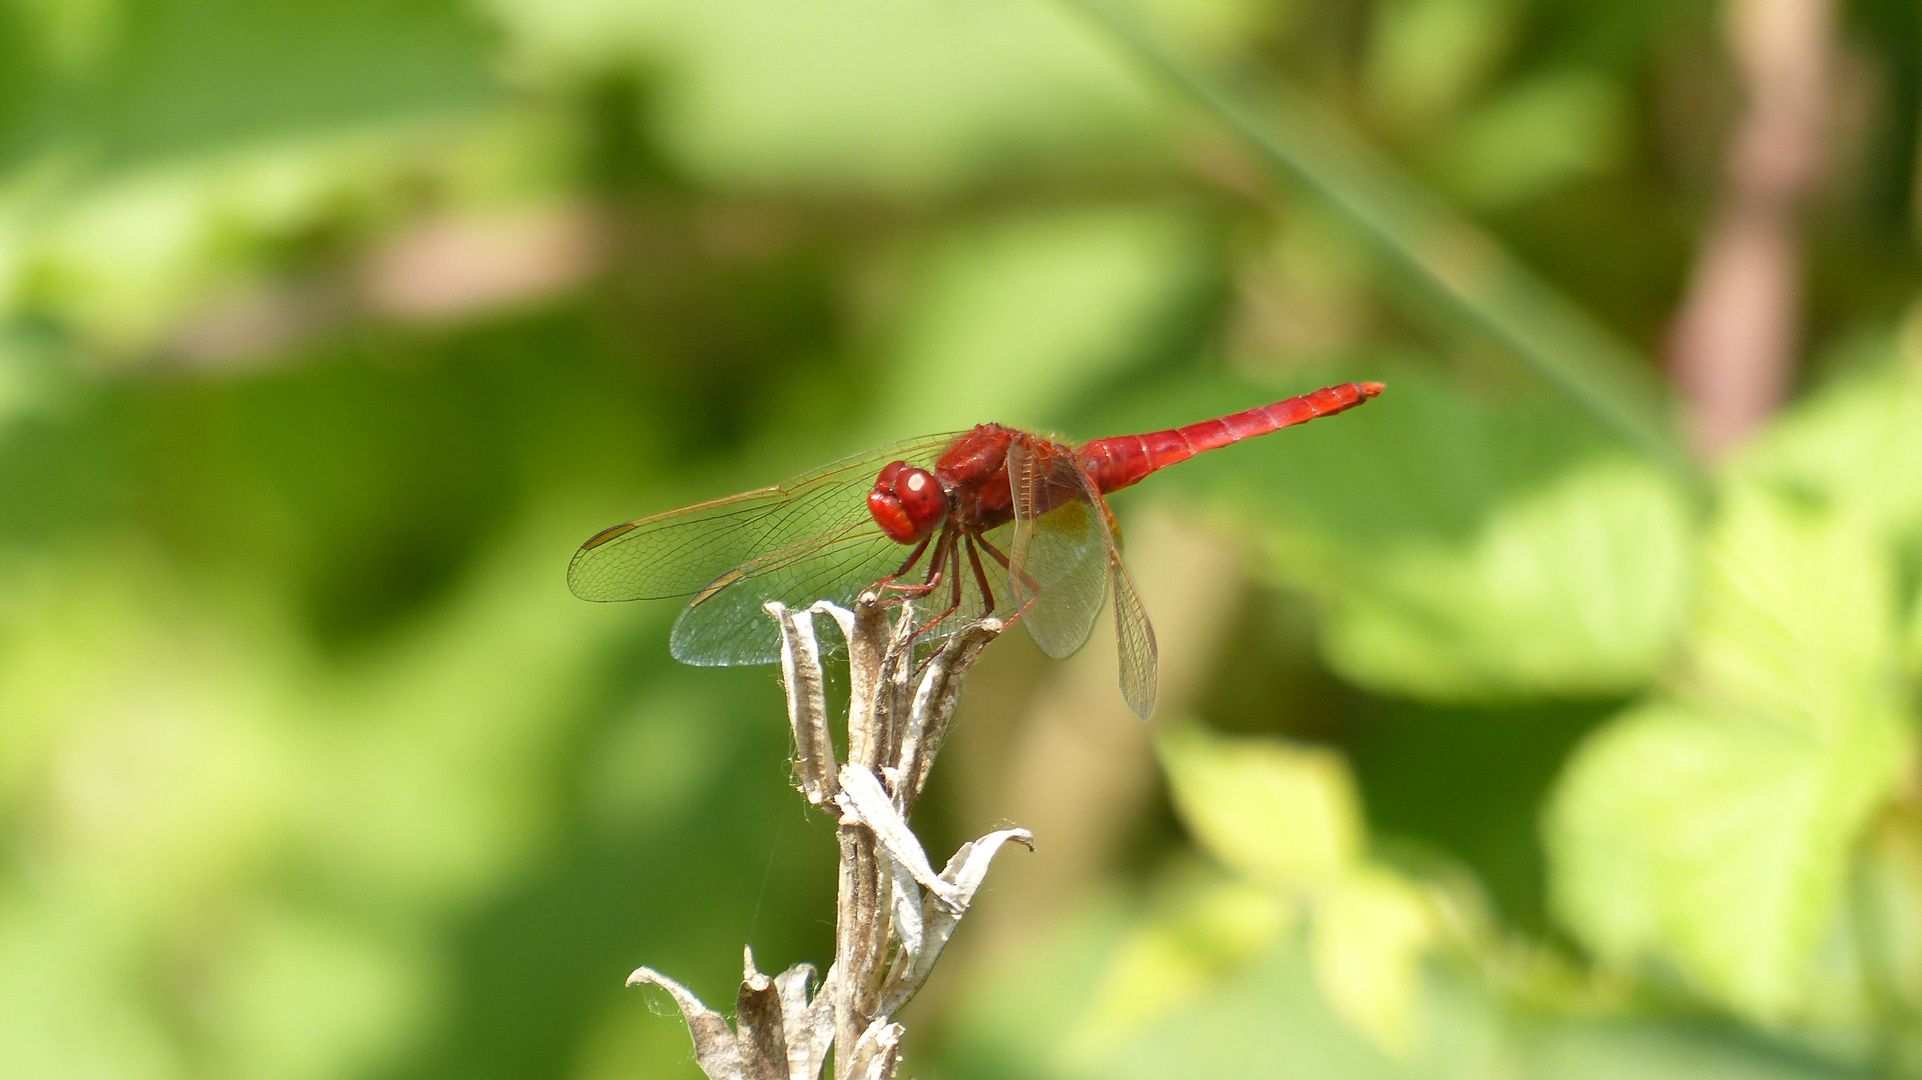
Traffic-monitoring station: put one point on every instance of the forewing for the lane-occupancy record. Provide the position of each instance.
(1060, 546)
(683, 552)
(729, 627)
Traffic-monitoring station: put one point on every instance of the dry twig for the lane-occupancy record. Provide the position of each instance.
(894, 914)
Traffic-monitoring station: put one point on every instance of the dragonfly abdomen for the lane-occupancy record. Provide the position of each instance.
(1119, 462)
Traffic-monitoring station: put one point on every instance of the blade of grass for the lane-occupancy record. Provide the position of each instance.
(1437, 247)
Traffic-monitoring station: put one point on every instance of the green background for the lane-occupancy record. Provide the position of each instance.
(1519, 745)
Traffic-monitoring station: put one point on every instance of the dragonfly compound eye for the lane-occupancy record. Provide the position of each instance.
(907, 503)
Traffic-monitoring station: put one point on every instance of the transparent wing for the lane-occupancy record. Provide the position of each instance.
(1059, 557)
(726, 624)
(729, 627)
(808, 539)
(681, 552)
(1066, 560)
(1134, 639)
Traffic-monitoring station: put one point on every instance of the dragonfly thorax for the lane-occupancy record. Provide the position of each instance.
(907, 503)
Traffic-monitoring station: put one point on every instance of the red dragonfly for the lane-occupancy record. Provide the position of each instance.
(1033, 506)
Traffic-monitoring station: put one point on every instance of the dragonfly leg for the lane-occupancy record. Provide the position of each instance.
(954, 559)
(913, 557)
(936, 562)
(1002, 558)
(980, 577)
(992, 550)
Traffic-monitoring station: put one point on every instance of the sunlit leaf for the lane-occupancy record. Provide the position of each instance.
(1269, 1018)
(1199, 935)
(1286, 816)
(1857, 442)
(1714, 830)
(1887, 912)
(1367, 941)
(1857, 447)
(1575, 590)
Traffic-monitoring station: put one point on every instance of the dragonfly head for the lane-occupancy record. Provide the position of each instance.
(907, 503)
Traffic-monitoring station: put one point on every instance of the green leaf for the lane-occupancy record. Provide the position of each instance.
(1798, 622)
(1269, 1019)
(1578, 589)
(1369, 936)
(1857, 446)
(1714, 830)
(1858, 443)
(1201, 934)
(1286, 816)
(1289, 818)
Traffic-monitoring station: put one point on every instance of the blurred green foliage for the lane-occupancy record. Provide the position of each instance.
(1547, 760)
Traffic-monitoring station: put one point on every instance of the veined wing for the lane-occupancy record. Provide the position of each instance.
(1066, 561)
(727, 626)
(689, 551)
(1135, 648)
(1059, 566)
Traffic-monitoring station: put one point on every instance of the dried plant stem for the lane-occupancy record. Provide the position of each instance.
(894, 914)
